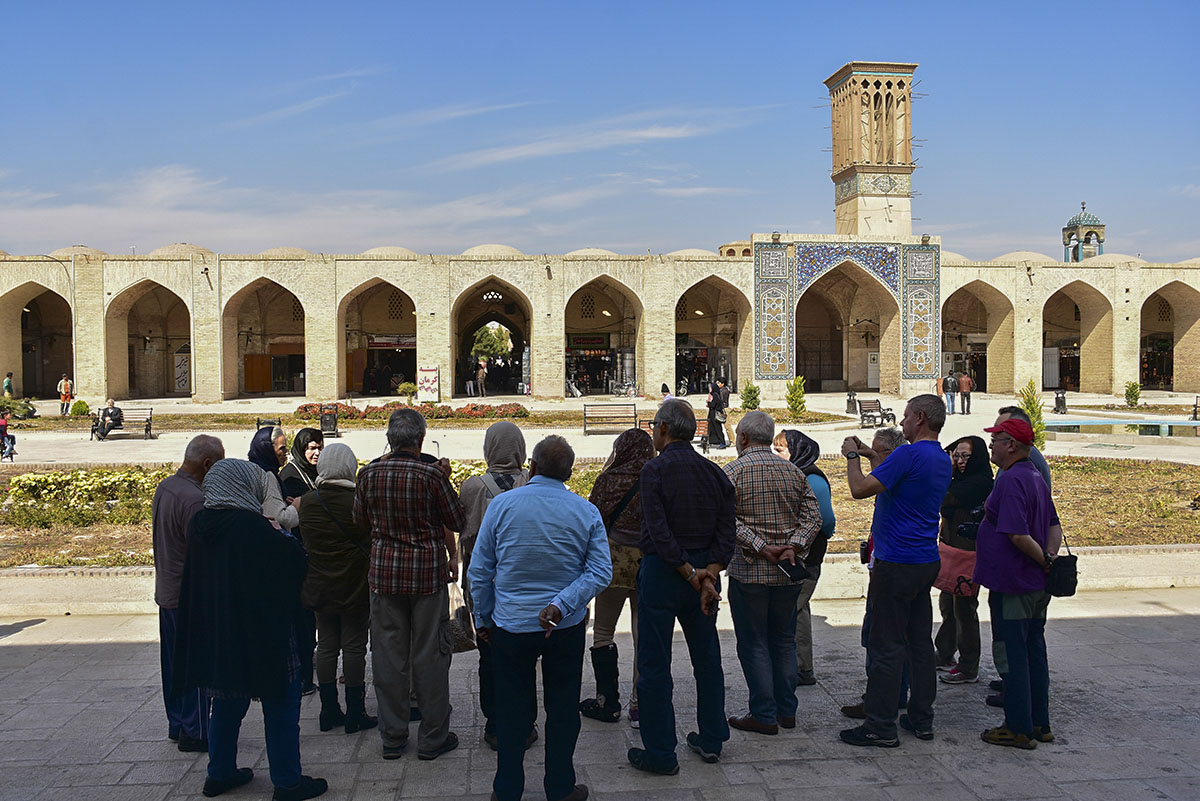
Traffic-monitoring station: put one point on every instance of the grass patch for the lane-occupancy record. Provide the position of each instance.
(1145, 408)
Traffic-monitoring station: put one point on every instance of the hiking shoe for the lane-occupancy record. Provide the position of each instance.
(787, 721)
(637, 758)
(307, 787)
(921, 734)
(859, 735)
(855, 711)
(634, 720)
(946, 665)
(446, 747)
(693, 742)
(1043, 734)
(996, 700)
(214, 787)
(956, 676)
(394, 751)
(1002, 735)
(806, 678)
(996, 685)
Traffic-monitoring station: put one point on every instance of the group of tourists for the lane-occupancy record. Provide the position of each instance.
(259, 560)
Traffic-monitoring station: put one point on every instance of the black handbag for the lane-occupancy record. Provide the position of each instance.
(1063, 578)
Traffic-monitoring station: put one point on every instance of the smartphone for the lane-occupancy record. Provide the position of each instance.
(796, 572)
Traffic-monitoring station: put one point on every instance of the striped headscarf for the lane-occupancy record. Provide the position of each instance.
(236, 484)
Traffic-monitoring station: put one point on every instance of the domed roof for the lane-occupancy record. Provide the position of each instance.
(1113, 258)
(82, 250)
(1020, 256)
(692, 252)
(1084, 217)
(394, 251)
(950, 257)
(492, 250)
(592, 252)
(4, 253)
(181, 249)
(1191, 261)
(286, 253)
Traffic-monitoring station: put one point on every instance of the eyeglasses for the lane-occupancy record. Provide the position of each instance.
(997, 440)
(655, 422)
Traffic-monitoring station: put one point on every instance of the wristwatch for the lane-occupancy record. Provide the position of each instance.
(852, 455)
(692, 575)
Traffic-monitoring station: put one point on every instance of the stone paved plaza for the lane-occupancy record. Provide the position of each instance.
(81, 718)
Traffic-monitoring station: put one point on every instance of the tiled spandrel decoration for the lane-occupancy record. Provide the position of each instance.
(921, 308)
(774, 309)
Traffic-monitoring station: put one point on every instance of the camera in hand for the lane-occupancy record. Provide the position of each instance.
(864, 552)
(969, 528)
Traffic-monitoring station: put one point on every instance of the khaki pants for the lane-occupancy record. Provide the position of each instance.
(609, 604)
(804, 651)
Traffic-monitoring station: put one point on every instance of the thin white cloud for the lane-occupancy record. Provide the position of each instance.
(1190, 190)
(274, 115)
(697, 191)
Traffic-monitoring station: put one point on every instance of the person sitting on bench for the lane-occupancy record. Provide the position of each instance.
(111, 417)
(8, 442)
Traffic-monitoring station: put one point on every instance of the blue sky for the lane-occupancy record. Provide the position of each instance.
(632, 126)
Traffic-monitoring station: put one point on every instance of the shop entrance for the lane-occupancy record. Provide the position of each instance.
(492, 322)
(709, 321)
(603, 328)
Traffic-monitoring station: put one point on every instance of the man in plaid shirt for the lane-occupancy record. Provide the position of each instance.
(777, 519)
(408, 504)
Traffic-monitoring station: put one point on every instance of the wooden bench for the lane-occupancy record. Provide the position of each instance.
(1196, 409)
(872, 414)
(267, 422)
(701, 431)
(133, 419)
(609, 415)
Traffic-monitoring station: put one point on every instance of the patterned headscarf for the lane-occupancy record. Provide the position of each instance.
(630, 453)
(235, 484)
(262, 450)
(337, 466)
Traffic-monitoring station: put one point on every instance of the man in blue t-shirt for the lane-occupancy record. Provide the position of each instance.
(909, 487)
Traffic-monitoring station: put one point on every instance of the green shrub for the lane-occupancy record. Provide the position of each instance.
(795, 396)
(17, 409)
(80, 408)
(81, 497)
(407, 390)
(1031, 403)
(1133, 393)
(750, 396)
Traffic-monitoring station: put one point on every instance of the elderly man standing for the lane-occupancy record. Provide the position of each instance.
(910, 485)
(777, 520)
(1018, 538)
(407, 504)
(176, 501)
(687, 538)
(540, 557)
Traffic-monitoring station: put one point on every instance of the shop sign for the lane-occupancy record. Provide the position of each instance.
(380, 341)
(587, 341)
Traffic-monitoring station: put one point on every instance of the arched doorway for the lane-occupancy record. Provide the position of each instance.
(1170, 325)
(848, 333)
(493, 301)
(603, 322)
(37, 343)
(262, 340)
(710, 318)
(977, 336)
(148, 332)
(380, 324)
(1077, 340)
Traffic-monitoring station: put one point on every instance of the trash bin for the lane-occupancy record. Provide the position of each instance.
(1060, 401)
(851, 402)
(329, 420)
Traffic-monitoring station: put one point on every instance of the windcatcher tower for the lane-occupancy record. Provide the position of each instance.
(872, 147)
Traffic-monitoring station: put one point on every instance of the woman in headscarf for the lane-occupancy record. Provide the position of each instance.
(238, 598)
(504, 452)
(803, 451)
(339, 555)
(969, 488)
(299, 475)
(617, 494)
(718, 401)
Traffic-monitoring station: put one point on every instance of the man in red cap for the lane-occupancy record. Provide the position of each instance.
(1017, 539)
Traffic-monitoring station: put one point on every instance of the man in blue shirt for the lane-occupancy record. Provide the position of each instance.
(910, 486)
(541, 555)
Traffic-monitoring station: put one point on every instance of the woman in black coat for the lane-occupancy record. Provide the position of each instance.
(718, 402)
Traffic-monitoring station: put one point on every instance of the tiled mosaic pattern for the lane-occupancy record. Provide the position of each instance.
(868, 184)
(774, 309)
(815, 259)
(921, 309)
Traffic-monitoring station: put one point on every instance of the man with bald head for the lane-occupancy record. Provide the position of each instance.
(176, 502)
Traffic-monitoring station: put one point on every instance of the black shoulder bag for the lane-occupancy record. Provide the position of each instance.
(341, 528)
(1063, 578)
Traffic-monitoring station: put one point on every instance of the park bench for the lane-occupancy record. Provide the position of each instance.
(133, 420)
(872, 414)
(701, 431)
(609, 415)
(1196, 409)
(267, 422)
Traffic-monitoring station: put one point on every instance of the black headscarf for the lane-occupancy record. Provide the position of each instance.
(968, 490)
(804, 452)
(299, 445)
(262, 452)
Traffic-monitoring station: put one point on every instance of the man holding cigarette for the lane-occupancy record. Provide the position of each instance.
(541, 555)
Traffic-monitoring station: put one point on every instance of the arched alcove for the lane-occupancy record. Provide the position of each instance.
(977, 336)
(711, 318)
(262, 341)
(1170, 339)
(603, 336)
(379, 322)
(146, 329)
(1077, 340)
(36, 339)
(493, 300)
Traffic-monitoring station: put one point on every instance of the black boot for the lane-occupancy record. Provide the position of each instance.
(606, 706)
(357, 718)
(331, 713)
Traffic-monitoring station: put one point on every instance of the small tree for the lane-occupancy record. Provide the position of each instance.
(1031, 403)
(1133, 393)
(749, 396)
(79, 408)
(407, 390)
(795, 396)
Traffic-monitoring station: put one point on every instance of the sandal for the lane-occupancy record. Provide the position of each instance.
(1002, 735)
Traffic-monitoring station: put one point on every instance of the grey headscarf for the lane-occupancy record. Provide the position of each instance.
(337, 466)
(236, 484)
(504, 448)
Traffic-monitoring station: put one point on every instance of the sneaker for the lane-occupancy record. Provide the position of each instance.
(637, 758)
(634, 721)
(859, 735)
(214, 787)
(446, 747)
(693, 742)
(855, 711)
(996, 700)
(1043, 734)
(946, 665)
(956, 676)
(307, 787)
(996, 685)
(806, 678)
(394, 751)
(920, 734)
(1002, 735)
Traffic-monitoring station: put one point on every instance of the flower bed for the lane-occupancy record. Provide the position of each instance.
(431, 411)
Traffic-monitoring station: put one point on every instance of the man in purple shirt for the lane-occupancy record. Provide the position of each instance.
(1017, 540)
(176, 501)
(687, 539)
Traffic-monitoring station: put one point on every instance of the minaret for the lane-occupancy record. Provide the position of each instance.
(872, 147)
(1083, 236)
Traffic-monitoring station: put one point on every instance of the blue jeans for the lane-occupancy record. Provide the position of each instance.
(950, 403)
(663, 598)
(764, 620)
(1019, 650)
(187, 711)
(281, 721)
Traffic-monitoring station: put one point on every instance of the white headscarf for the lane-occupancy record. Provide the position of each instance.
(337, 466)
